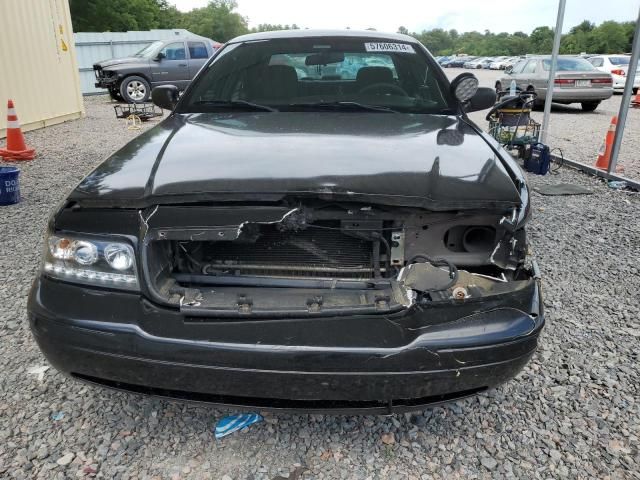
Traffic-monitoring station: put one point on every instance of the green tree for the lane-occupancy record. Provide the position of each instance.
(403, 30)
(541, 40)
(116, 15)
(609, 37)
(438, 41)
(168, 15)
(217, 21)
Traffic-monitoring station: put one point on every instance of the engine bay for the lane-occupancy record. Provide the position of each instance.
(332, 257)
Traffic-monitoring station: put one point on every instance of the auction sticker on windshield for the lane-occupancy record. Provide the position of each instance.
(388, 47)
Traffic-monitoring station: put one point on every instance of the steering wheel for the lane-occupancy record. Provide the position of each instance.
(384, 87)
(526, 98)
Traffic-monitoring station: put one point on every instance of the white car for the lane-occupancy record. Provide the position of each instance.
(618, 67)
(478, 63)
(502, 62)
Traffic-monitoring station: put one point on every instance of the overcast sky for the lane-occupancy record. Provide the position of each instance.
(418, 15)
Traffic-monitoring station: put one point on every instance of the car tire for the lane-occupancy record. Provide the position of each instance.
(589, 106)
(135, 89)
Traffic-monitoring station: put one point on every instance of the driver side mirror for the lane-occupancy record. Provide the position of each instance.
(165, 96)
(159, 56)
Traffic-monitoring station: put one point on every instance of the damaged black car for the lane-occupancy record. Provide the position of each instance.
(316, 226)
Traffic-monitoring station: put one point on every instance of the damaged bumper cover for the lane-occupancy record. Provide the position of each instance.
(424, 354)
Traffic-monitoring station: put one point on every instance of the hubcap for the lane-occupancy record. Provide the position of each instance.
(136, 90)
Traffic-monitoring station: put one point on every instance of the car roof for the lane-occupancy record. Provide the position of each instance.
(323, 33)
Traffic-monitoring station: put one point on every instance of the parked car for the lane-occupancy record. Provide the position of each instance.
(576, 81)
(503, 63)
(172, 62)
(457, 62)
(618, 67)
(386, 268)
(487, 64)
(478, 63)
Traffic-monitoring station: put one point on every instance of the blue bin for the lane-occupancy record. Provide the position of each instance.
(9, 185)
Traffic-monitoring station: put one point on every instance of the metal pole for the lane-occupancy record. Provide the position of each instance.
(626, 98)
(552, 71)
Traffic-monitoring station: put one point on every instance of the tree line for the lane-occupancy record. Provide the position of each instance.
(608, 37)
(220, 21)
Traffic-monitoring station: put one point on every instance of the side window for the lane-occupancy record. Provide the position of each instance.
(517, 68)
(197, 50)
(596, 62)
(530, 67)
(174, 51)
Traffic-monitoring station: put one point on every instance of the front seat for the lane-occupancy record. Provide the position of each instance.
(371, 75)
(275, 82)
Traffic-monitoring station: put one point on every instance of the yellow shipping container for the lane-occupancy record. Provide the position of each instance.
(38, 68)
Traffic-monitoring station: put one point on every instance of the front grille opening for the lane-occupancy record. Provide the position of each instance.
(322, 250)
(335, 406)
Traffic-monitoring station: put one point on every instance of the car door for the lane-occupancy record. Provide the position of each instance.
(198, 55)
(171, 66)
(513, 74)
(527, 77)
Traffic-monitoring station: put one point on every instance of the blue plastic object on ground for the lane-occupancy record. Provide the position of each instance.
(617, 184)
(233, 423)
(539, 160)
(9, 185)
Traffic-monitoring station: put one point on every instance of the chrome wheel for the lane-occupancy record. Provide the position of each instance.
(136, 90)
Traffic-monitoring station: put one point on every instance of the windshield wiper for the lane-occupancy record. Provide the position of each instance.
(236, 104)
(344, 106)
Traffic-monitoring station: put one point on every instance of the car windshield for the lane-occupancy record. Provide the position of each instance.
(149, 50)
(619, 60)
(569, 65)
(319, 74)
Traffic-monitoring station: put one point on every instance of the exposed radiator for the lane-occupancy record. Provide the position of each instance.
(311, 252)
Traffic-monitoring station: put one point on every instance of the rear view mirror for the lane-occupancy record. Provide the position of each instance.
(165, 96)
(159, 56)
(324, 58)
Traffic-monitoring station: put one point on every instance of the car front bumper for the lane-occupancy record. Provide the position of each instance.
(377, 363)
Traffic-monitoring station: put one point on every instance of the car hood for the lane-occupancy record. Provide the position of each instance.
(112, 62)
(437, 162)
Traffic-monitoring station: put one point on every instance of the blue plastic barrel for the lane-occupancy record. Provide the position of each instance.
(9, 185)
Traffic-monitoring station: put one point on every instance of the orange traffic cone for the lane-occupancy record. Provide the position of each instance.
(635, 102)
(604, 156)
(16, 148)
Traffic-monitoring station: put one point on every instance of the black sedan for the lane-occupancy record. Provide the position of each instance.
(316, 226)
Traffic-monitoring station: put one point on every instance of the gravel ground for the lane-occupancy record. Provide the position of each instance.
(574, 412)
(579, 134)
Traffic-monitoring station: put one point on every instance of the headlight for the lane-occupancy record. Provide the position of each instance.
(96, 262)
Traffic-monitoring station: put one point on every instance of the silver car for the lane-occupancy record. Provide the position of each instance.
(576, 81)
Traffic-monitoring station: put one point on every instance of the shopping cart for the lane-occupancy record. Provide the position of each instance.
(143, 111)
(510, 121)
